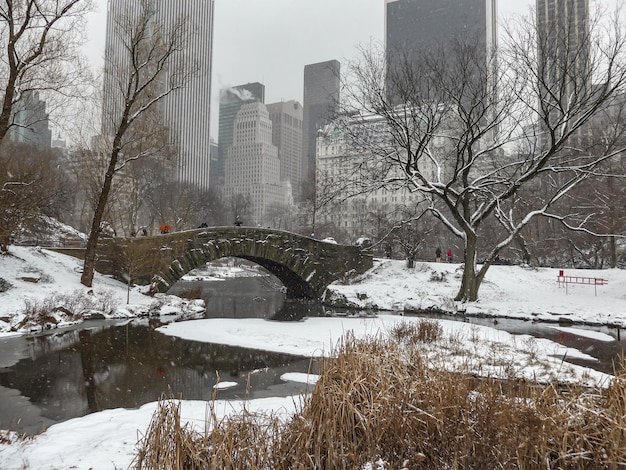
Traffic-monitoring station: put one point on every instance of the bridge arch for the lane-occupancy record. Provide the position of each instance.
(304, 265)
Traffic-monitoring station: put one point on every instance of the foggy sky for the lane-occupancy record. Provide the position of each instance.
(270, 41)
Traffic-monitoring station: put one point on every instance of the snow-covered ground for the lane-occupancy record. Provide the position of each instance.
(31, 277)
(107, 439)
(507, 291)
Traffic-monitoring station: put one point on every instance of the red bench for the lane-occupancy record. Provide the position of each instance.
(564, 280)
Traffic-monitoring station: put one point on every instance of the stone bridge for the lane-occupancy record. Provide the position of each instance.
(304, 265)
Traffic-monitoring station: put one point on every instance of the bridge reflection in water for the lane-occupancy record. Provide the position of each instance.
(103, 365)
(81, 371)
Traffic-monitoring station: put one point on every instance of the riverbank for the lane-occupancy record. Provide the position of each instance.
(518, 292)
(108, 439)
(41, 290)
(32, 277)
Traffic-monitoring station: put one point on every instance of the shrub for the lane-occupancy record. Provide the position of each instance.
(438, 276)
(5, 285)
(424, 331)
(49, 312)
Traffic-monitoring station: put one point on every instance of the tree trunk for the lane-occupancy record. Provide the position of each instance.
(521, 242)
(613, 251)
(7, 109)
(470, 283)
(89, 265)
(9, 91)
(410, 262)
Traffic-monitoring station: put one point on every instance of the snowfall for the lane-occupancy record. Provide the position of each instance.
(108, 439)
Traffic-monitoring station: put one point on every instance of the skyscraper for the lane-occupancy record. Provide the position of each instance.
(186, 111)
(563, 42)
(286, 117)
(253, 167)
(563, 49)
(413, 26)
(231, 101)
(321, 96)
(31, 122)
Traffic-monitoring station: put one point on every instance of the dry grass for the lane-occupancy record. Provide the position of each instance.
(412, 333)
(238, 442)
(378, 402)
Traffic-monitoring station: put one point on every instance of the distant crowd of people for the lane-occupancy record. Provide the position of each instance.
(107, 229)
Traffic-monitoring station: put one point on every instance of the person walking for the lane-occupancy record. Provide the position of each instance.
(438, 254)
(449, 255)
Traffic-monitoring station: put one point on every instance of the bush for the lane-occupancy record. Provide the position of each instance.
(437, 276)
(5, 285)
(57, 308)
(424, 331)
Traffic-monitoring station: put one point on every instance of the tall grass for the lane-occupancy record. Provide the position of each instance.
(378, 402)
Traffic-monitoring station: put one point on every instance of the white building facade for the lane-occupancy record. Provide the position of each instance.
(347, 178)
(253, 166)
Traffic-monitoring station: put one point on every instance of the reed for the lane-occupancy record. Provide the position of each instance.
(379, 404)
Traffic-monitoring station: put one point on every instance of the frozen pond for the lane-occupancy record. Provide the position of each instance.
(53, 377)
(73, 373)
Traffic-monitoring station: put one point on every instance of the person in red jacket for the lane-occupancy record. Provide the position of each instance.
(449, 255)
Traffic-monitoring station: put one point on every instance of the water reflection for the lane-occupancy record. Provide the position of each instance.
(241, 297)
(255, 294)
(607, 353)
(50, 378)
(78, 372)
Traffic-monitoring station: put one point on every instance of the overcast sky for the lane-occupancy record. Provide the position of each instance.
(270, 41)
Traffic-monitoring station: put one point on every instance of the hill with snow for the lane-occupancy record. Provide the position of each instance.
(507, 291)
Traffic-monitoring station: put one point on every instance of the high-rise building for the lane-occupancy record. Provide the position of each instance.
(321, 97)
(563, 51)
(231, 101)
(563, 41)
(413, 26)
(341, 168)
(286, 117)
(31, 122)
(185, 113)
(253, 167)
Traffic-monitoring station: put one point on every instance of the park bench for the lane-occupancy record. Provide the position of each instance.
(564, 280)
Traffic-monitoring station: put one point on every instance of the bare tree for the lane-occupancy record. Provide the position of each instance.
(31, 185)
(240, 206)
(324, 190)
(446, 119)
(409, 233)
(378, 223)
(87, 168)
(40, 40)
(135, 256)
(180, 205)
(280, 216)
(209, 208)
(151, 67)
